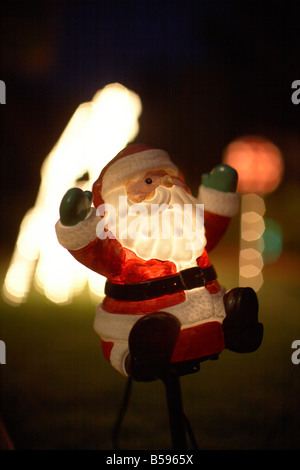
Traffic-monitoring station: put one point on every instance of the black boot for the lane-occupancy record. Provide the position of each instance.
(151, 344)
(242, 331)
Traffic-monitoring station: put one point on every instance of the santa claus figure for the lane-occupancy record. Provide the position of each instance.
(150, 237)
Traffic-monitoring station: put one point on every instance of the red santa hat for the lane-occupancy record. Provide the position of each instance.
(133, 159)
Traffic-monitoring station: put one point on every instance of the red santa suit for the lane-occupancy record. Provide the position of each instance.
(200, 310)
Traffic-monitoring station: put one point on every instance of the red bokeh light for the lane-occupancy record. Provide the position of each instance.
(258, 162)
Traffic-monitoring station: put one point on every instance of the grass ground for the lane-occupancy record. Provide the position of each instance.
(58, 392)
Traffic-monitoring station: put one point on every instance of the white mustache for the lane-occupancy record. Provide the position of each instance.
(140, 227)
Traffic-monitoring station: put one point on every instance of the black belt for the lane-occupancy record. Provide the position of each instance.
(184, 280)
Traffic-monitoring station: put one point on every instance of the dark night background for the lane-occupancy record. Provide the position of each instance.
(206, 72)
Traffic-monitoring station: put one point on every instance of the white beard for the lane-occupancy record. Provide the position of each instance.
(161, 234)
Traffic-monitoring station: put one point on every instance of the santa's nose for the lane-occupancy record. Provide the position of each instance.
(167, 181)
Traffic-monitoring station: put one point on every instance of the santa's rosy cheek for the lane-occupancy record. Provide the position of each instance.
(140, 191)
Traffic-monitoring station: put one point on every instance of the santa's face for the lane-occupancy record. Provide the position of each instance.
(156, 216)
(143, 188)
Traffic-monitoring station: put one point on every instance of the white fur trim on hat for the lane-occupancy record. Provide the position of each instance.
(219, 202)
(129, 166)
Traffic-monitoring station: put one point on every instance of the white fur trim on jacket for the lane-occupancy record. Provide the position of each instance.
(199, 307)
(219, 202)
(118, 355)
(77, 236)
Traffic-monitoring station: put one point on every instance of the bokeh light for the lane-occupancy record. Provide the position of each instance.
(260, 167)
(251, 241)
(97, 131)
(272, 238)
(259, 164)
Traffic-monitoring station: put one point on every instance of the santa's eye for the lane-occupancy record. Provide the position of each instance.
(148, 180)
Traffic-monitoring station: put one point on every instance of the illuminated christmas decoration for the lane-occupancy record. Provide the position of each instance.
(259, 164)
(95, 133)
(163, 302)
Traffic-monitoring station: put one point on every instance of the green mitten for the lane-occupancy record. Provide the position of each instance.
(223, 178)
(75, 206)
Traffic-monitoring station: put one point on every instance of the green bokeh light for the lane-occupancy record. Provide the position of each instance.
(272, 238)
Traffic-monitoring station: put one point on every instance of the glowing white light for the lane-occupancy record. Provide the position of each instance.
(97, 131)
(249, 270)
(250, 255)
(251, 217)
(252, 228)
(252, 278)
